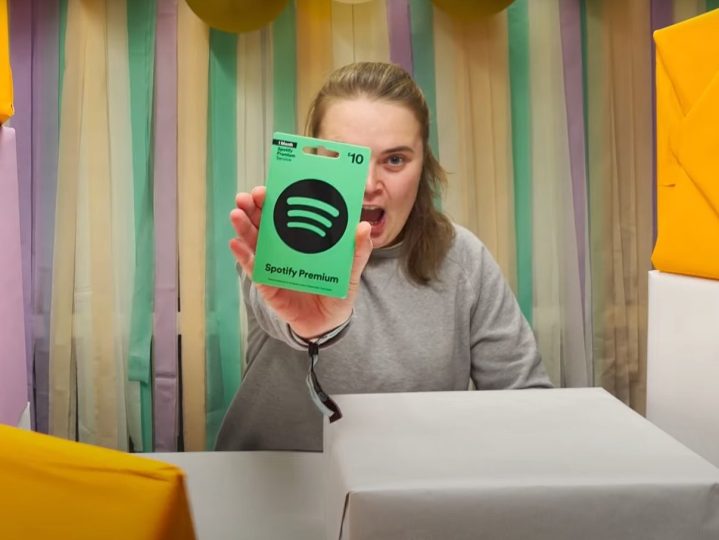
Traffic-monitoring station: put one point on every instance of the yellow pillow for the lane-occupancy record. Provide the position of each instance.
(53, 488)
(688, 147)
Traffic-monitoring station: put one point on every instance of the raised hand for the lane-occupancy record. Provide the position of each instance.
(309, 315)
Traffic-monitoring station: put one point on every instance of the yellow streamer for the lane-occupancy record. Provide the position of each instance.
(598, 169)
(96, 171)
(123, 216)
(62, 366)
(192, 76)
(550, 166)
(631, 137)
(254, 107)
(473, 122)
(619, 164)
(254, 123)
(575, 369)
(343, 47)
(82, 317)
(371, 35)
(314, 52)
(446, 44)
(359, 33)
(485, 148)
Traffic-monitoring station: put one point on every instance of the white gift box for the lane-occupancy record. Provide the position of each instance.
(683, 360)
(519, 464)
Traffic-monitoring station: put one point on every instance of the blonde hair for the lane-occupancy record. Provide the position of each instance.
(428, 233)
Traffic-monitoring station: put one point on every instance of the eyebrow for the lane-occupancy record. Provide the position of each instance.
(398, 149)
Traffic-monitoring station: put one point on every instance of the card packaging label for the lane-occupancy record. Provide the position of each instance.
(313, 205)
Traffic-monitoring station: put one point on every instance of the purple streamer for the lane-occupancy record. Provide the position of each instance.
(165, 209)
(570, 24)
(21, 62)
(662, 14)
(13, 398)
(400, 34)
(45, 129)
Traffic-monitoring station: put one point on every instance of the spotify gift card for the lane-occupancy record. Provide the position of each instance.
(313, 205)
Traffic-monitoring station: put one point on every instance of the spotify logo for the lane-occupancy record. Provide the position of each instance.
(310, 216)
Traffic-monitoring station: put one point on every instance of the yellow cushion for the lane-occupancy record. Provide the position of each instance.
(688, 147)
(6, 108)
(53, 488)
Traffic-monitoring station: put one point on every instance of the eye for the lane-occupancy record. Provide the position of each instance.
(396, 160)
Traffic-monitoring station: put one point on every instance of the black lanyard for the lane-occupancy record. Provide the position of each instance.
(324, 403)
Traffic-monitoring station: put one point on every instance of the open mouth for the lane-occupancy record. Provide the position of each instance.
(372, 214)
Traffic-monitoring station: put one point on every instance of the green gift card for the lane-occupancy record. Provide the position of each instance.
(313, 205)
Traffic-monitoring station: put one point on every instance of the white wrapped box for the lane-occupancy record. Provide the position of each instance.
(529, 464)
(683, 360)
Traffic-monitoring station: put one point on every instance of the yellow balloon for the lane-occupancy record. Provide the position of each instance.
(471, 9)
(237, 15)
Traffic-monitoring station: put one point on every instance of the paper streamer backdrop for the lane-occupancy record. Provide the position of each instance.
(541, 116)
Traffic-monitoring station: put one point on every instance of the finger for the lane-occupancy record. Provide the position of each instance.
(363, 249)
(258, 195)
(244, 227)
(243, 255)
(244, 201)
(247, 202)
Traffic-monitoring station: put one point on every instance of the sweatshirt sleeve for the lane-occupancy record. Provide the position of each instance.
(504, 352)
(275, 327)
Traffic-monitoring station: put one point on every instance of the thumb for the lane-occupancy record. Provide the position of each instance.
(363, 249)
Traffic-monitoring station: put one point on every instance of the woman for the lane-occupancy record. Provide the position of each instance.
(427, 310)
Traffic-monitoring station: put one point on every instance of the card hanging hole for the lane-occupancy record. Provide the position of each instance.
(321, 151)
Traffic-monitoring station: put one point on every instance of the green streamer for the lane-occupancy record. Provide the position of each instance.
(519, 74)
(597, 192)
(223, 355)
(284, 70)
(141, 47)
(712, 4)
(422, 32)
(596, 322)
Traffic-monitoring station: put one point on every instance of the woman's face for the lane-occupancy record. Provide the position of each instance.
(392, 133)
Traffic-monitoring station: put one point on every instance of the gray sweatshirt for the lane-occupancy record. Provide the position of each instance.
(403, 337)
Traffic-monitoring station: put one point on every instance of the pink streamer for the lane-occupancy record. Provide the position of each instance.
(21, 62)
(45, 129)
(165, 210)
(400, 40)
(573, 88)
(13, 379)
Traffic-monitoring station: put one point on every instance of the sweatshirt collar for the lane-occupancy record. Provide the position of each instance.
(391, 252)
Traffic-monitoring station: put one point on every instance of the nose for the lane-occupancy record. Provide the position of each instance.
(372, 186)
